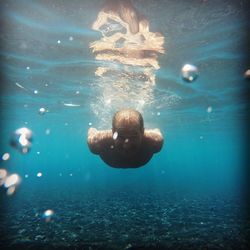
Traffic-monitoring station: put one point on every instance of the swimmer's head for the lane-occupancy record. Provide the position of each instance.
(128, 129)
(128, 118)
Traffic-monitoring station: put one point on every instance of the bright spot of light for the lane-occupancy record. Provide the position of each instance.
(35, 92)
(6, 156)
(3, 174)
(24, 131)
(42, 111)
(209, 109)
(108, 101)
(23, 140)
(58, 41)
(47, 131)
(11, 180)
(142, 102)
(26, 176)
(48, 214)
(189, 72)
(39, 174)
(115, 135)
(11, 190)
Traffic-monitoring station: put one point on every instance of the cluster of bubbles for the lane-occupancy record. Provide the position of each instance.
(9, 182)
(21, 140)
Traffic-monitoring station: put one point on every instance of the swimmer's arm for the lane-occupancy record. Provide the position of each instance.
(98, 140)
(154, 139)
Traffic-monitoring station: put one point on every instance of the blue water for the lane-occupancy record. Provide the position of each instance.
(191, 194)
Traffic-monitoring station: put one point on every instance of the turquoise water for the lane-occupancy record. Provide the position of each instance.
(191, 195)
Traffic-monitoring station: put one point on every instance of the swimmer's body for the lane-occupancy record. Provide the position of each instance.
(128, 144)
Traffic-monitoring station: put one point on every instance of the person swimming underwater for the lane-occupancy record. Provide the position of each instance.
(128, 144)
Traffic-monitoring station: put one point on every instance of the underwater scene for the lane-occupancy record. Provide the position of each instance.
(124, 124)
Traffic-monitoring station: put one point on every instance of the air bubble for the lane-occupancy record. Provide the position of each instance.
(39, 174)
(47, 131)
(48, 215)
(42, 111)
(12, 180)
(209, 109)
(115, 135)
(21, 140)
(189, 72)
(6, 156)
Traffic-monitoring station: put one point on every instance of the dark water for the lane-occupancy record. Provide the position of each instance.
(191, 195)
(127, 219)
